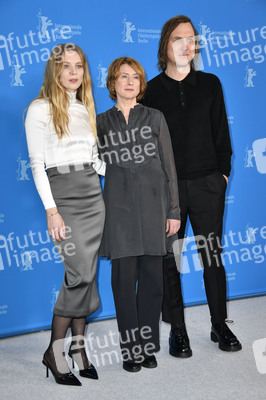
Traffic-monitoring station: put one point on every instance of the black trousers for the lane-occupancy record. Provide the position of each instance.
(203, 201)
(137, 284)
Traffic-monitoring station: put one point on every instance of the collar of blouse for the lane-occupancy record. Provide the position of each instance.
(72, 96)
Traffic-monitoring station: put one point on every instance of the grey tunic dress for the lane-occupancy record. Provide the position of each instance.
(140, 190)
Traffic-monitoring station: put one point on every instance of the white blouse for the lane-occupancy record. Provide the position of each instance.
(46, 150)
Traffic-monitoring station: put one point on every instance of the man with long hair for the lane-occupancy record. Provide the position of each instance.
(193, 105)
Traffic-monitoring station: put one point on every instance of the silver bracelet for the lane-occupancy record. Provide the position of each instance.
(51, 215)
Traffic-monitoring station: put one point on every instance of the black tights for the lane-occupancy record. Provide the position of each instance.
(55, 351)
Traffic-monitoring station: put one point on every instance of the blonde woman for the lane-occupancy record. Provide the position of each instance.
(61, 137)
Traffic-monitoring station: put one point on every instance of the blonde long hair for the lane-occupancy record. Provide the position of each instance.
(53, 91)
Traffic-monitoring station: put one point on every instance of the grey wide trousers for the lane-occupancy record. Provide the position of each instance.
(78, 196)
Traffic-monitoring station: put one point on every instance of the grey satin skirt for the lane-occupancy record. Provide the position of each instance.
(78, 197)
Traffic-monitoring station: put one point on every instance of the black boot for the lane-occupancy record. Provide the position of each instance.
(227, 340)
(179, 342)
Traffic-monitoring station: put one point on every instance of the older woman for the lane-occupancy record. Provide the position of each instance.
(61, 136)
(142, 211)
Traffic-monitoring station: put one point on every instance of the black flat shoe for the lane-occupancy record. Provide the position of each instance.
(227, 340)
(64, 379)
(179, 345)
(89, 372)
(131, 367)
(149, 362)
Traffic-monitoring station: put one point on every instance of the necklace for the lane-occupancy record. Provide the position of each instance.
(119, 109)
(125, 115)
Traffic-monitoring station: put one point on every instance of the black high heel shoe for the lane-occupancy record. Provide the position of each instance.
(64, 379)
(89, 372)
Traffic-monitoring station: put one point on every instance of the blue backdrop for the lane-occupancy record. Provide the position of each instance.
(234, 48)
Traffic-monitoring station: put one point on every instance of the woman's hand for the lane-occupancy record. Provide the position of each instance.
(172, 226)
(225, 177)
(56, 225)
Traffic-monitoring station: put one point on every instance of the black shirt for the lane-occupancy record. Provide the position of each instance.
(195, 113)
(140, 190)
